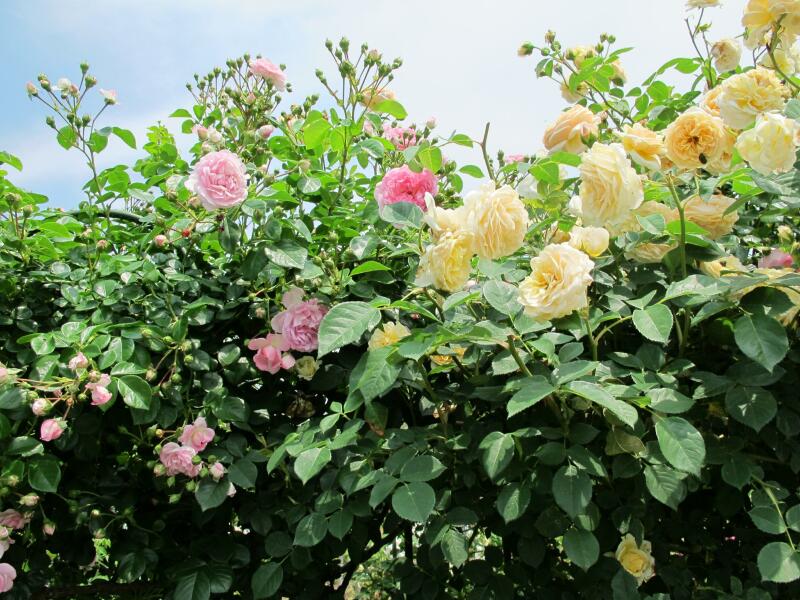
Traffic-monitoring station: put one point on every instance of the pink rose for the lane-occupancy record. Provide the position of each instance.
(299, 323)
(401, 184)
(51, 430)
(219, 179)
(14, 519)
(5, 541)
(217, 470)
(270, 355)
(514, 158)
(7, 576)
(261, 67)
(40, 407)
(178, 459)
(777, 259)
(197, 435)
(99, 390)
(79, 361)
(265, 131)
(401, 137)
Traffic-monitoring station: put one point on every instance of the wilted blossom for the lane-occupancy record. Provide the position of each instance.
(179, 460)
(197, 435)
(299, 323)
(271, 353)
(777, 259)
(51, 429)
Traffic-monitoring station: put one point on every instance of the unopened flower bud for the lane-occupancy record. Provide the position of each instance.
(430, 123)
(31, 89)
(49, 528)
(304, 166)
(265, 131)
(29, 500)
(525, 49)
(785, 234)
(160, 240)
(101, 244)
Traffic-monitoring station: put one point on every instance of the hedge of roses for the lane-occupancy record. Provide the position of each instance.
(313, 345)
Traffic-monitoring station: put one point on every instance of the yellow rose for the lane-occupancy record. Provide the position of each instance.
(787, 59)
(570, 129)
(558, 283)
(746, 95)
(636, 560)
(727, 53)
(710, 101)
(788, 12)
(695, 138)
(610, 188)
(573, 97)
(442, 360)
(447, 263)
(770, 147)
(372, 96)
(497, 219)
(757, 20)
(579, 54)
(591, 240)
(710, 214)
(649, 252)
(391, 333)
(722, 164)
(306, 367)
(444, 220)
(727, 265)
(645, 147)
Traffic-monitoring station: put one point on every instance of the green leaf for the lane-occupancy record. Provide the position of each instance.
(654, 322)
(12, 398)
(422, 468)
(667, 400)
(10, 159)
(779, 563)
(406, 214)
(502, 296)
(681, 444)
(751, 406)
(454, 547)
(194, 586)
(66, 137)
(344, 324)
(414, 501)
(368, 267)
(314, 133)
(761, 338)
(310, 462)
(472, 171)
(125, 135)
(531, 391)
(267, 580)
(311, 530)
(513, 500)
(230, 235)
(287, 253)
(243, 473)
(572, 490)
(430, 157)
(339, 523)
(374, 374)
(591, 391)
(391, 107)
(210, 493)
(135, 391)
(665, 484)
(497, 451)
(44, 473)
(581, 547)
(768, 519)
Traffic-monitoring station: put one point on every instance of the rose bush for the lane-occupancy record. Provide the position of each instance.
(311, 357)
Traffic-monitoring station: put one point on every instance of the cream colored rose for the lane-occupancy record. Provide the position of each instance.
(306, 367)
(447, 263)
(722, 164)
(787, 59)
(558, 283)
(645, 146)
(710, 214)
(757, 20)
(372, 96)
(788, 13)
(570, 129)
(636, 560)
(579, 54)
(591, 240)
(771, 146)
(389, 334)
(444, 220)
(573, 97)
(610, 188)
(710, 101)
(725, 266)
(497, 219)
(746, 95)
(695, 138)
(649, 252)
(727, 53)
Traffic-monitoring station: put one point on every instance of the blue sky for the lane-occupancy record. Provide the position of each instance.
(460, 61)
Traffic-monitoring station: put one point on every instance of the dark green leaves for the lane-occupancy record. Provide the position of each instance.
(531, 391)
(135, 391)
(591, 391)
(497, 450)
(513, 501)
(572, 490)
(654, 322)
(311, 530)
(762, 339)
(44, 473)
(414, 501)
(210, 493)
(344, 324)
(266, 581)
(422, 468)
(581, 547)
(310, 462)
(751, 406)
(681, 444)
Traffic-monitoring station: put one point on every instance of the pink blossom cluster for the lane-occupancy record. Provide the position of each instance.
(10, 519)
(401, 184)
(777, 259)
(269, 71)
(179, 458)
(401, 137)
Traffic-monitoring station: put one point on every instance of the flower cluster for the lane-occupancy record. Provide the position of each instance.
(182, 458)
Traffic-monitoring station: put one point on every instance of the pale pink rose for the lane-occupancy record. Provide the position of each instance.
(219, 179)
(197, 435)
(109, 95)
(13, 519)
(40, 407)
(217, 470)
(777, 259)
(514, 158)
(202, 132)
(7, 576)
(265, 131)
(99, 390)
(51, 429)
(401, 184)
(401, 137)
(430, 123)
(261, 67)
(178, 460)
(49, 528)
(299, 323)
(5, 541)
(369, 128)
(270, 353)
(79, 361)
(160, 240)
